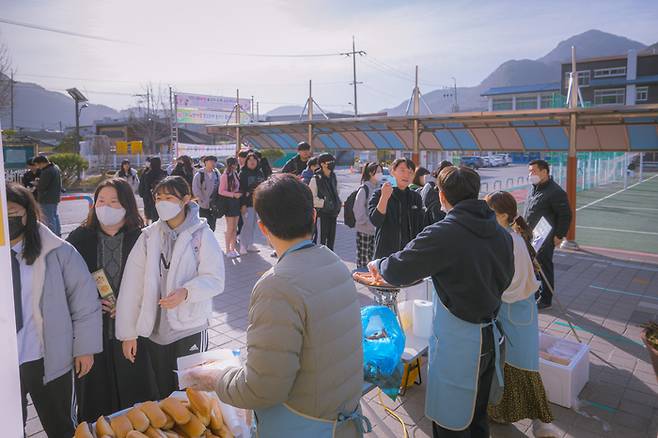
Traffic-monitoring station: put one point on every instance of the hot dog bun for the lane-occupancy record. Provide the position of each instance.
(193, 428)
(138, 419)
(200, 404)
(83, 431)
(154, 413)
(103, 427)
(176, 410)
(151, 432)
(216, 418)
(121, 426)
(136, 434)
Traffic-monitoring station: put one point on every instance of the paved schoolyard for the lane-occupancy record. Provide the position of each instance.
(606, 295)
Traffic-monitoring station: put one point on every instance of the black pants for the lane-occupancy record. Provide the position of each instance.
(327, 230)
(54, 402)
(545, 259)
(210, 217)
(114, 383)
(479, 427)
(315, 229)
(163, 359)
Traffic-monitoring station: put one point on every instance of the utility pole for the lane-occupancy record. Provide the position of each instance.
(455, 105)
(252, 109)
(353, 54)
(11, 99)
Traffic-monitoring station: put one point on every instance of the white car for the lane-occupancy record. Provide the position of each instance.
(497, 161)
(505, 157)
(488, 162)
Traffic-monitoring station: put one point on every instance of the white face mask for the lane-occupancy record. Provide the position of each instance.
(168, 210)
(110, 216)
(534, 179)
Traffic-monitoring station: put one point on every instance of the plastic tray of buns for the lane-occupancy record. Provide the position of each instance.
(189, 414)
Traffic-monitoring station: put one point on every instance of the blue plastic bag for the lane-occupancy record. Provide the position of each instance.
(383, 345)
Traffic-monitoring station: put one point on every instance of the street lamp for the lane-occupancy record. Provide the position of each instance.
(77, 97)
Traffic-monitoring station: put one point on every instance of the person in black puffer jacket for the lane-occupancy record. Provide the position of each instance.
(151, 179)
(326, 199)
(397, 212)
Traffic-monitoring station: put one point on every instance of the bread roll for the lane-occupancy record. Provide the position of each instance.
(170, 423)
(176, 410)
(138, 419)
(200, 403)
(83, 431)
(216, 418)
(121, 426)
(154, 413)
(103, 427)
(136, 434)
(209, 434)
(151, 432)
(172, 434)
(193, 428)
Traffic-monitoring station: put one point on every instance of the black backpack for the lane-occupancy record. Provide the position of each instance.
(348, 207)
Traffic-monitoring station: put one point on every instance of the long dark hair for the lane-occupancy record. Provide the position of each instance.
(122, 171)
(503, 202)
(188, 166)
(173, 185)
(156, 163)
(231, 165)
(18, 194)
(369, 169)
(133, 220)
(251, 155)
(420, 172)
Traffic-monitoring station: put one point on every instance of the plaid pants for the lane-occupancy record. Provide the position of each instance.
(365, 249)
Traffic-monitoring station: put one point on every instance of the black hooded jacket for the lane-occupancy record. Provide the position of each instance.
(469, 257)
(404, 219)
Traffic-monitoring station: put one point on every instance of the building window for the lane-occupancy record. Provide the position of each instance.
(641, 94)
(547, 101)
(583, 79)
(609, 72)
(502, 104)
(614, 96)
(526, 102)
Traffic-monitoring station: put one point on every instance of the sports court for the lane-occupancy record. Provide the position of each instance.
(613, 217)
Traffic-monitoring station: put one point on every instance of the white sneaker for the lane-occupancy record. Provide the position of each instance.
(243, 250)
(544, 430)
(252, 248)
(232, 254)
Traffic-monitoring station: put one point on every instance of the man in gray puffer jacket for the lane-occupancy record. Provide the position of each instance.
(303, 374)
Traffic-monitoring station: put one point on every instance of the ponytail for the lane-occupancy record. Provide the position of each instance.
(520, 226)
(368, 171)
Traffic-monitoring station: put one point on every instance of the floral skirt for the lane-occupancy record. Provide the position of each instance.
(523, 397)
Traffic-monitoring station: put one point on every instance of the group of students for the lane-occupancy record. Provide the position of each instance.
(81, 356)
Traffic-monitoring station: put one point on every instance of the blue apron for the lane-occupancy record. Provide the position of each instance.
(519, 321)
(453, 368)
(283, 421)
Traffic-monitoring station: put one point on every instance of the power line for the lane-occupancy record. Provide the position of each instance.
(60, 31)
(353, 54)
(112, 40)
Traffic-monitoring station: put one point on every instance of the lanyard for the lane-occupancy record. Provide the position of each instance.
(301, 245)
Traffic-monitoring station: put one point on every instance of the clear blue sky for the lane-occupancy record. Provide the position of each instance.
(186, 44)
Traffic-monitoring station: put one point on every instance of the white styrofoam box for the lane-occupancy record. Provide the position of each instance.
(563, 383)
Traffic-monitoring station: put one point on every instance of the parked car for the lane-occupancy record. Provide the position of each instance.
(487, 162)
(497, 161)
(472, 161)
(506, 157)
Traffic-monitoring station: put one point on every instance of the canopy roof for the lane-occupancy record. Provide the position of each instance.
(609, 128)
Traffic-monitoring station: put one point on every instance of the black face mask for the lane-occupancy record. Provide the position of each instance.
(331, 166)
(16, 226)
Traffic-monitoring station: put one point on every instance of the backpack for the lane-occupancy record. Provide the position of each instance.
(348, 207)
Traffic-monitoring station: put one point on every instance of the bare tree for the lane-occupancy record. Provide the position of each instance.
(151, 119)
(5, 77)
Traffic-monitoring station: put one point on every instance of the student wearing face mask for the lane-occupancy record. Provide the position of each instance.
(104, 240)
(365, 230)
(57, 314)
(172, 273)
(324, 187)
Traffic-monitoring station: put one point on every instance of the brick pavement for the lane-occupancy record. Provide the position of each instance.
(621, 398)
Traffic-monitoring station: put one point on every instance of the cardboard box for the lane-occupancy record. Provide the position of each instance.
(563, 383)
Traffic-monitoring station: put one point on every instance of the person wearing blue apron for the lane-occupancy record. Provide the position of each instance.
(524, 395)
(469, 257)
(303, 373)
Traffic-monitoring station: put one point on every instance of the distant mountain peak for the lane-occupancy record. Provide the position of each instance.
(592, 43)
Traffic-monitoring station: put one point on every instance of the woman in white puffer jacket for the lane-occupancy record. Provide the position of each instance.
(171, 276)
